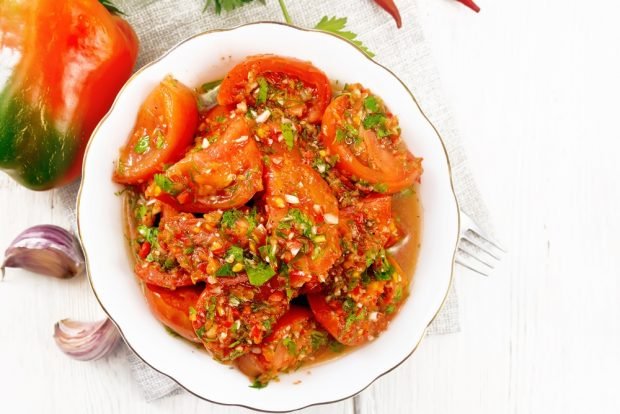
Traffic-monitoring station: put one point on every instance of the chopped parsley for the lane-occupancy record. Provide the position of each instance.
(263, 88)
(160, 141)
(258, 275)
(258, 385)
(299, 220)
(225, 270)
(200, 332)
(206, 87)
(165, 183)
(288, 135)
(380, 187)
(371, 104)
(318, 339)
(142, 145)
(236, 252)
(211, 308)
(140, 211)
(373, 121)
(385, 270)
(149, 234)
(290, 345)
(229, 218)
(335, 346)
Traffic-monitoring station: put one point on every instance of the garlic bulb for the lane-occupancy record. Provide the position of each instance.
(86, 341)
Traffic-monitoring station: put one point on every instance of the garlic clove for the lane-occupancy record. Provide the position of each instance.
(46, 249)
(86, 341)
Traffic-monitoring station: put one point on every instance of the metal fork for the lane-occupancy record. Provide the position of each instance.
(476, 252)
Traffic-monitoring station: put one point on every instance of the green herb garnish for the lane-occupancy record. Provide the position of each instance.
(142, 145)
(263, 88)
(288, 135)
(258, 275)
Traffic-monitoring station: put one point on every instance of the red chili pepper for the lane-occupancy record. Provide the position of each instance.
(390, 7)
(145, 249)
(471, 5)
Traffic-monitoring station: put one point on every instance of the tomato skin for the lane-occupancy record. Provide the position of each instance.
(285, 176)
(230, 317)
(171, 307)
(297, 327)
(394, 169)
(362, 313)
(152, 273)
(233, 88)
(167, 118)
(202, 180)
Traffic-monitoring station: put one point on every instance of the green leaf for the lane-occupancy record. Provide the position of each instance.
(288, 135)
(229, 218)
(258, 275)
(164, 183)
(206, 87)
(337, 25)
(225, 270)
(290, 345)
(371, 104)
(111, 7)
(262, 91)
(236, 252)
(142, 145)
(227, 5)
(374, 120)
(258, 385)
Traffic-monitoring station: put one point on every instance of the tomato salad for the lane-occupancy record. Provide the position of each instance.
(262, 224)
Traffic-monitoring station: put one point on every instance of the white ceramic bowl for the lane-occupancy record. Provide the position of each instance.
(209, 56)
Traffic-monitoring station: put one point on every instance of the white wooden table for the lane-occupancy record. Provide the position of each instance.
(535, 88)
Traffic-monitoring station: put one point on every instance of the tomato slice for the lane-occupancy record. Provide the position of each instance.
(364, 135)
(221, 175)
(233, 318)
(171, 307)
(164, 128)
(156, 274)
(365, 228)
(296, 338)
(293, 85)
(302, 217)
(362, 309)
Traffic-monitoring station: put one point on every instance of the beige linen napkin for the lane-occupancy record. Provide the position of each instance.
(160, 24)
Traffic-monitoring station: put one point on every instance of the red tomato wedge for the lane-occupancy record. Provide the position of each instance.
(163, 131)
(296, 337)
(365, 228)
(367, 142)
(299, 203)
(171, 307)
(295, 85)
(232, 318)
(221, 175)
(363, 312)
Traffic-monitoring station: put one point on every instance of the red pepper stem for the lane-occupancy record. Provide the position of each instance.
(471, 5)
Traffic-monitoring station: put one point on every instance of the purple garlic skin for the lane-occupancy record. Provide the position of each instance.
(86, 341)
(46, 249)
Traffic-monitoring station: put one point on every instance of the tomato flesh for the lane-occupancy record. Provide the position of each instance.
(230, 319)
(302, 90)
(164, 129)
(222, 175)
(296, 338)
(171, 307)
(362, 310)
(302, 217)
(368, 144)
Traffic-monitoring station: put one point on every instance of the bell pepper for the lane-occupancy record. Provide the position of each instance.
(62, 62)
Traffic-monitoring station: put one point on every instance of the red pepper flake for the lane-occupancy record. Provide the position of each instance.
(145, 249)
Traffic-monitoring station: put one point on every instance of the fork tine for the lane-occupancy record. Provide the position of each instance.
(473, 256)
(477, 245)
(491, 242)
(471, 268)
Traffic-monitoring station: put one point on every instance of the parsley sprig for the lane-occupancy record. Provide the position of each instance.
(335, 25)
